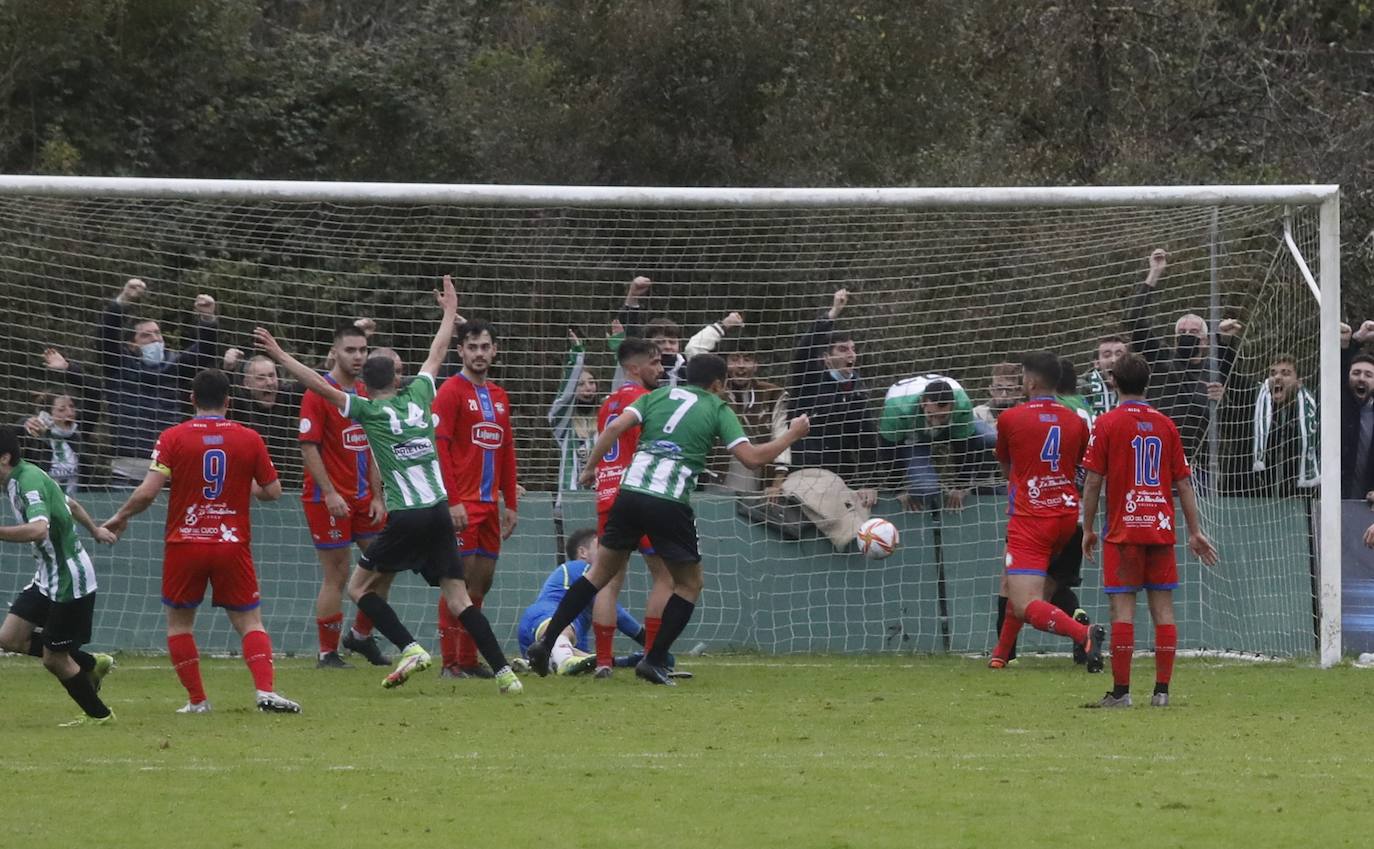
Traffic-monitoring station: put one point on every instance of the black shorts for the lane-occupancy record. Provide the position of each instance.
(65, 625)
(421, 541)
(1066, 567)
(670, 526)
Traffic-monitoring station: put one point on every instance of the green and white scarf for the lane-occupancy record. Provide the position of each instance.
(1308, 469)
(1094, 389)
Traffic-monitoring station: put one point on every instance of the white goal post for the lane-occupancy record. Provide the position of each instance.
(1320, 202)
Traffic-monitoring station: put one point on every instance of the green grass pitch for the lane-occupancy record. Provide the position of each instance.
(792, 752)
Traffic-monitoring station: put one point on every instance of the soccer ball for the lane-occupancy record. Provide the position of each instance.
(877, 538)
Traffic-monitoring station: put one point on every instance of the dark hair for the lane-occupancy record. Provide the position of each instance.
(705, 369)
(10, 444)
(938, 392)
(577, 539)
(210, 389)
(1132, 374)
(1068, 377)
(1043, 365)
(1362, 358)
(635, 347)
(348, 330)
(475, 327)
(1113, 339)
(1284, 358)
(661, 326)
(836, 337)
(379, 374)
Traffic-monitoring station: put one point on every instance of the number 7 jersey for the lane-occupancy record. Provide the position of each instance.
(1138, 450)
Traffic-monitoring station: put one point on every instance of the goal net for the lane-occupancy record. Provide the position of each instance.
(945, 283)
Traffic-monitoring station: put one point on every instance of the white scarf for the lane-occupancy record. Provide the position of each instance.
(1308, 470)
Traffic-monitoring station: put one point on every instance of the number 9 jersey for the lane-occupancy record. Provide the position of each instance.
(1137, 449)
(212, 463)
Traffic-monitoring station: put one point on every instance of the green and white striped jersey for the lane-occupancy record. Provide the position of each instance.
(679, 426)
(400, 430)
(65, 572)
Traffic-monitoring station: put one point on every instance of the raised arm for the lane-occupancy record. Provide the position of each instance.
(705, 340)
(308, 377)
(438, 349)
(806, 366)
(1143, 340)
(560, 412)
(758, 456)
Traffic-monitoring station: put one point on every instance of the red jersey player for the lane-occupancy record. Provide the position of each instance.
(342, 499)
(1137, 450)
(477, 457)
(214, 466)
(642, 366)
(1040, 444)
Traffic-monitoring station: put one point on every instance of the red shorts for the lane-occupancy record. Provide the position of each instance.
(645, 547)
(1033, 541)
(1128, 568)
(482, 536)
(329, 532)
(188, 566)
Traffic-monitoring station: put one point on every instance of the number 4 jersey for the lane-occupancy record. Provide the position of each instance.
(212, 463)
(1137, 449)
(1043, 442)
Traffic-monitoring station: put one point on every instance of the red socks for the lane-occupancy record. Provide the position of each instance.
(1044, 616)
(186, 662)
(1123, 647)
(362, 625)
(257, 653)
(329, 630)
(605, 644)
(1011, 629)
(1166, 645)
(448, 634)
(651, 625)
(467, 647)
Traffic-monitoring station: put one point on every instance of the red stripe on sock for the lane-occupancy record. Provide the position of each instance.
(329, 630)
(1123, 648)
(362, 624)
(257, 654)
(1166, 646)
(186, 662)
(651, 626)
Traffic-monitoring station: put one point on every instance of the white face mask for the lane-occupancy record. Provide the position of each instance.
(153, 353)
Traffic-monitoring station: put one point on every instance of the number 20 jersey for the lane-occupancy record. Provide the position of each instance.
(1137, 449)
(212, 463)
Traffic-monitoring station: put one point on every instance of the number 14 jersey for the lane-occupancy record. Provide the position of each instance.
(400, 430)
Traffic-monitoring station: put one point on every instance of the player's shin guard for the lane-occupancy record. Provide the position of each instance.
(605, 644)
(1044, 616)
(1123, 647)
(186, 661)
(652, 624)
(362, 625)
(329, 629)
(1006, 636)
(1065, 599)
(82, 691)
(1166, 646)
(84, 659)
(257, 654)
(676, 614)
(467, 646)
(385, 620)
(479, 629)
(448, 634)
(575, 600)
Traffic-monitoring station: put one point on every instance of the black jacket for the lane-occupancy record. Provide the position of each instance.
(842, 437)
(1354, 482)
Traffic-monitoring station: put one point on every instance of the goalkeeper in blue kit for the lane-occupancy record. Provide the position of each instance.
(570, 655)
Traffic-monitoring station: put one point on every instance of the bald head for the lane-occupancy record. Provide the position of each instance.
(261, 380)
(390, 354)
